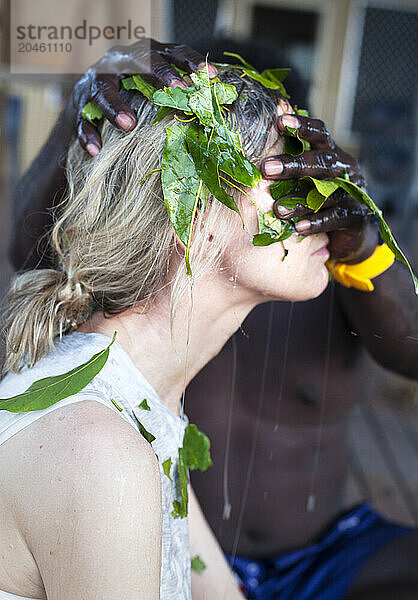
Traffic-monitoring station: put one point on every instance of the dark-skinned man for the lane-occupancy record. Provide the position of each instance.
(282, 550)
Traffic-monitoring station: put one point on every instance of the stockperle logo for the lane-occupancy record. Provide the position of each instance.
(68, 36)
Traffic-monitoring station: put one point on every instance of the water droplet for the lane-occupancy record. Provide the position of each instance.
(227, 511)
(231, 279)
(310, 505)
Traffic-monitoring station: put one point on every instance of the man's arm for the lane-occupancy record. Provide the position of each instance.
(385, 318)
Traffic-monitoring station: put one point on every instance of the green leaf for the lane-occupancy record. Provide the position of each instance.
(167, 467)
(206, 155)
(277, 76)
(113, 401)
(180, 506)
(326, 187)
(303, 112)
(144, 405)
(285, 187)
(162, 112)
(315, 200)
(266, 78)
(271, 229)
(91, 112)
(197, 564)
(196, 447)
(176, 97)
(49, 390)
(294, 144)
(136, 82)
(181, 185)
(146, 434)
(361, 196)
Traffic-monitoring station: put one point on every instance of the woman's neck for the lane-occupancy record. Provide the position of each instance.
(205, 319)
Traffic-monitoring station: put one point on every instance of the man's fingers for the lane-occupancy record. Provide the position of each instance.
(187, 59)
(285, 212)
(164, 73)
(330, 219)
(89, 137)
(313, 131)
(107, 97)
(321, 164)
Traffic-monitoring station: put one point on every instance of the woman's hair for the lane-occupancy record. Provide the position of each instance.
(113, 238)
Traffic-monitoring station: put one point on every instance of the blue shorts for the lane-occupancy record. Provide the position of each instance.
(322, 571)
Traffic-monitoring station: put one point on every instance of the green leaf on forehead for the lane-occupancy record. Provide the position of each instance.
(92, 113)
(271, 229)
(206, 155)
(182, 186)
(136, 82)
(196, 447)
(180, 506)
(197, 564)
(361, 196)
(48, 391)
(177, 98)
(285, 187)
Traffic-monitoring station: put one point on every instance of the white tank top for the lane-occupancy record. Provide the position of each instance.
(119, 379)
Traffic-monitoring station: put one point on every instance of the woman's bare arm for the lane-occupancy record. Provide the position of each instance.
(91, 505)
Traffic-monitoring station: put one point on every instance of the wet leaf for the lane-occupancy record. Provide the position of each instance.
(267, 78)
(162, 112)
(177, 98)
(294, 144)
(197, 564)
(285, 187)
(196, 447)
(113, 401)
(180, 506)
(181, 184)
(49, 390)
(146, 434)
(271, 229)
(92, 113)
(361, 196)
(136, 82)
(167, 467)
(206, 156)
(144, 405)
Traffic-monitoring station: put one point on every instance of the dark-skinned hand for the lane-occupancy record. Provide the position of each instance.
(101, 82)
(353, 235)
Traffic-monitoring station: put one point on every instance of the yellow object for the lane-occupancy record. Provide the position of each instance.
(359, 276)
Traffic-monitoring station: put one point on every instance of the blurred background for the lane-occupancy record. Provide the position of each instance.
(357, 61)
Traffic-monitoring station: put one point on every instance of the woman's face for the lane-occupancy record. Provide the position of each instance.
(302, 275)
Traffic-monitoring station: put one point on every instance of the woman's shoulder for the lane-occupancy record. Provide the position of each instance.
(78, 477)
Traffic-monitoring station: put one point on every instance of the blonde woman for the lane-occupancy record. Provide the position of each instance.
(85, 503)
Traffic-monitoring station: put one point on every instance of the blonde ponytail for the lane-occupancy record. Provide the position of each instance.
(41, 304)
